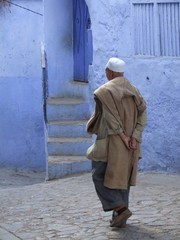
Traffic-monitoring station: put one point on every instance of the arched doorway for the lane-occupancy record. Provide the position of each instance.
(82, 40)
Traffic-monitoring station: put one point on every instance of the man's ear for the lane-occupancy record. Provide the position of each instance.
(111, 74)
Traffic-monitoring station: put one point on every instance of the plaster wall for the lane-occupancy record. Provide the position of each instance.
(157, 78)
(58, 30)
(22, 140)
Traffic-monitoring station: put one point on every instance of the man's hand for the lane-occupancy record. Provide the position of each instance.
(130, 143)
(125, 139)
(133, 143)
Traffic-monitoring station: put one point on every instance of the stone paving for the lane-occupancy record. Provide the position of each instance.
(65, 209)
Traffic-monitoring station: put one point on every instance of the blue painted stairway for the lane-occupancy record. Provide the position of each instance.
(67, 137)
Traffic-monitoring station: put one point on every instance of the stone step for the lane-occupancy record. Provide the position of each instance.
(68, 146)
(67, 109)
(64, 101)
(67, 129)
(60, 166)
(73, 89)
(78, 89)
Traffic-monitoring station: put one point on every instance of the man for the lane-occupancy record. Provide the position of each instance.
(119, 117)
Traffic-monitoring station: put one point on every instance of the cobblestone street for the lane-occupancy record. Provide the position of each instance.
(65, 209)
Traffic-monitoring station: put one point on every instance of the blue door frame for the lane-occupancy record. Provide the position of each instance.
(82, 40)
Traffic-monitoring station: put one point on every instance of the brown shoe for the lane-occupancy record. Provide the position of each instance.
(120, 218)
(123, 225)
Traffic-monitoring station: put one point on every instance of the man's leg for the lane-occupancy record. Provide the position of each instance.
(110, 198)
(125, 196)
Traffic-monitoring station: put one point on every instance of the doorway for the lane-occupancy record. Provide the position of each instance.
(82, 40)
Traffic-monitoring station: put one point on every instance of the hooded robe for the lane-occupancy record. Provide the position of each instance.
(119, 108)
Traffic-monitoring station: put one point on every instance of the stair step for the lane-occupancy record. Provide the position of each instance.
(70, 89)
(65, 159)
(67, 129)
(67, 122)
(68, 140)
(67, 109)
(64, 101)
(79, 89)
(60, 166)
(68, 146)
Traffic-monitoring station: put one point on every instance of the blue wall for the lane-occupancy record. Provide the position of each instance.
(22, 141)
(158, 80)
(156, 77)
(58, 30)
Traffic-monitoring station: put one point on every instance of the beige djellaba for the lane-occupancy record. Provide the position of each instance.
(119, 108)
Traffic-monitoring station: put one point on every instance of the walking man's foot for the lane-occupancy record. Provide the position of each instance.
(120, 217)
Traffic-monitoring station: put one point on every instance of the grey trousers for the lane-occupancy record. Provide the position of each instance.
(110, 198)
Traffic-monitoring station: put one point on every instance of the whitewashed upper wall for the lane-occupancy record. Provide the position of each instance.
(157, 78)
(58, 28)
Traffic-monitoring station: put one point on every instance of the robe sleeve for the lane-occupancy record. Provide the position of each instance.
(110, 112)
(94, 122)
(140, 125)
(113, 126)
(142, 116)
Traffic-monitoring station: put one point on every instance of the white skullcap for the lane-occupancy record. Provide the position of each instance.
(116, 65)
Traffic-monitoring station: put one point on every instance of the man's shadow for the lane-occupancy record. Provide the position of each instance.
(141, 232)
